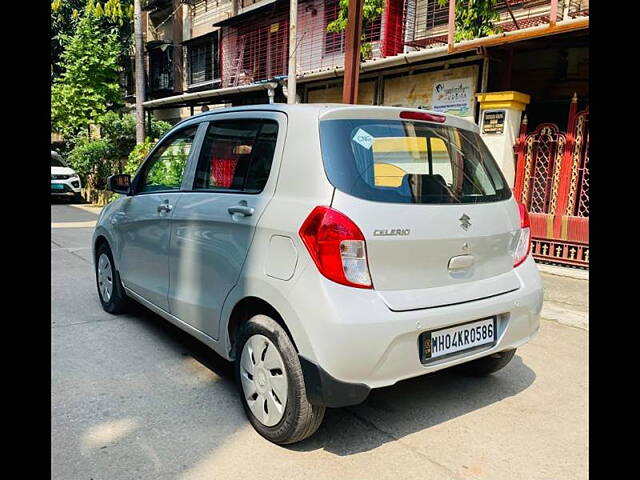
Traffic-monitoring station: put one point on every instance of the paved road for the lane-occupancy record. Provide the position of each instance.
(134, 397)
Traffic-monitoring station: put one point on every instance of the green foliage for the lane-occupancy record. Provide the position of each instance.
(115, 152)
(165, 172)
(474, 18)
(65, 15)
(371, 10)
(137, 156)
(158, 128)
(90, 159)
(119, 131)
(89, 84)
(168, 170)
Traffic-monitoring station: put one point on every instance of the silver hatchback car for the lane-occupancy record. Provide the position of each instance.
(326, 250)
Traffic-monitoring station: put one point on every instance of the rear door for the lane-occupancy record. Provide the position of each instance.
(438, 217)
(214, 224)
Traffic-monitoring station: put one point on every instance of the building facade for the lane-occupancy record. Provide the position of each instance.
(211, 46)
(526, 86)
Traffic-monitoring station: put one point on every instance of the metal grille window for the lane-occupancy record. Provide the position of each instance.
(256, 46)
(203, 61)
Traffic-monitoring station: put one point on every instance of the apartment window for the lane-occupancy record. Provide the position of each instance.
(203, 62)
(127, 76)
(160, 66)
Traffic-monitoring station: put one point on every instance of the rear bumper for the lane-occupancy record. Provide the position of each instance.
(356, 339)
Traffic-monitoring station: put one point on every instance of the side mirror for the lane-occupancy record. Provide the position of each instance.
(120, 183)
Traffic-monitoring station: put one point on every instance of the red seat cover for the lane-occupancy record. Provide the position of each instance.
(223, 170)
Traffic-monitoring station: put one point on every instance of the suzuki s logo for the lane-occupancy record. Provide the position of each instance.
(464, 221)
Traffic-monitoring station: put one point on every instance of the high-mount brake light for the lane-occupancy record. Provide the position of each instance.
(524, 240)
(429, 117)
(337, 247)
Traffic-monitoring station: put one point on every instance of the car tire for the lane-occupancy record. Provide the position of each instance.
(297, 419)
(485, 366)
(114, 299)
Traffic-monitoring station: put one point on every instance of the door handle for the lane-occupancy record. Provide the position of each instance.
(242, 208)
(165, 207)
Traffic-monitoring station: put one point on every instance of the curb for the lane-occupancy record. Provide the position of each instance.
(88, 207)
(566, 316)
(563, 271)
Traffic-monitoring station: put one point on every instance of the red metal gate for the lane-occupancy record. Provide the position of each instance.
(552, 180)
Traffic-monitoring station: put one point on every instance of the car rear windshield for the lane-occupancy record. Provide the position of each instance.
(400, 161)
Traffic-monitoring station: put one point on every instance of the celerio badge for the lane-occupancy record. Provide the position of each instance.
(464, 221)
(391, 232)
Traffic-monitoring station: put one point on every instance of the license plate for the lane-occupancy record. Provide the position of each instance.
(57, 186)
(459, 338)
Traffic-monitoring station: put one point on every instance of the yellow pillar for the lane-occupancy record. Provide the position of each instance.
(500, 115)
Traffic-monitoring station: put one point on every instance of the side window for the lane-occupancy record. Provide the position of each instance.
(236, 155)
(164, 170)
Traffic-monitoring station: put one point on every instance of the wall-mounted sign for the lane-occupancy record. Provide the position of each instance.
(453, 96)
(493, 121)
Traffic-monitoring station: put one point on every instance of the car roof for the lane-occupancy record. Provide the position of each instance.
(322, 109)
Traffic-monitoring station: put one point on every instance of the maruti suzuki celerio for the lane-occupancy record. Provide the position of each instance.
(326, 249)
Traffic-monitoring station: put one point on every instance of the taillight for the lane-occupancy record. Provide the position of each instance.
(337, 247)
(429, 117)
(524, 240)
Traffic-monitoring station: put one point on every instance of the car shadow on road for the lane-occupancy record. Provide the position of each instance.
(185, 343)
(413, 405)
(389, 413)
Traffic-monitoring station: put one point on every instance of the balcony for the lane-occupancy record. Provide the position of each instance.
(427, 22)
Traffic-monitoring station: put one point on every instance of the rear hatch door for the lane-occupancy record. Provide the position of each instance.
(438, 217)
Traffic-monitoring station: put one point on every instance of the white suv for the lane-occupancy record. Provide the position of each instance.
(65, 182)
(326, 249)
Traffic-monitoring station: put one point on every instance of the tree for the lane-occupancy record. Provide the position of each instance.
(474, 18)
(119, 131)
(89, 83)
(140, 86)
(371, 10)
(65, 15)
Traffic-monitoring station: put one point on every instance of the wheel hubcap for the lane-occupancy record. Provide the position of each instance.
(264, 379)
(105, 277)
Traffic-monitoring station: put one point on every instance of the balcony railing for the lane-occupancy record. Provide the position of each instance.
(577, 8)
(427, 23)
